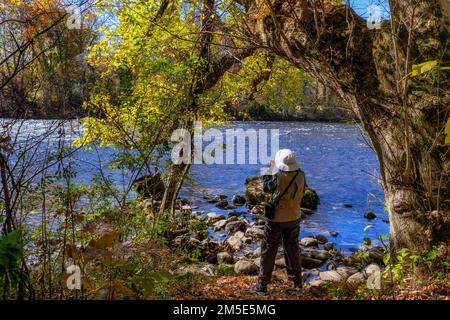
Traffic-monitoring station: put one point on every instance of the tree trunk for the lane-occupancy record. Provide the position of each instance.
(404, 118)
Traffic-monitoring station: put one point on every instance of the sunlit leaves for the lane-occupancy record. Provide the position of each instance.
(447, 132)
(418, 69)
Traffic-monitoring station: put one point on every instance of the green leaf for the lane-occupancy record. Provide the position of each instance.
(386, 258)
(367, 242)
(368, 227)
(431, 255)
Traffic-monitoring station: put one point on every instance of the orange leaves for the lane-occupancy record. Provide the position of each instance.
(101, 248)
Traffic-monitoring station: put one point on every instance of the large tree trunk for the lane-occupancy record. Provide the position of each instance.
(403, 118)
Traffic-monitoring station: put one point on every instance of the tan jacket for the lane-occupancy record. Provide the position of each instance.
(288, 207)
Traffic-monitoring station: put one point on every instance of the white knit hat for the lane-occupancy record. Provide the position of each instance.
(285, 160)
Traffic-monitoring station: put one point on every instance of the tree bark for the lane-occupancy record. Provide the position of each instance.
(404, 118)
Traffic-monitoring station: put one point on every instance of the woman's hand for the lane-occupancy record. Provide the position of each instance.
(271, 166)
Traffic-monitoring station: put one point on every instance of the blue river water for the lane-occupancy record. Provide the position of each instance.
(338, 163)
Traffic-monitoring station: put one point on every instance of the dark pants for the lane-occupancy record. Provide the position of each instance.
(273, 234)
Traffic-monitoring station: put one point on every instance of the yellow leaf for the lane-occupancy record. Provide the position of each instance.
(107, 240)
(447, 132)
(418, 69)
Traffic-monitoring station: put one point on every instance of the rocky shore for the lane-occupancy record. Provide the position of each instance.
(234, 248)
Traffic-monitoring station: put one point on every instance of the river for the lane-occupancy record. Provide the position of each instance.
(337, 161)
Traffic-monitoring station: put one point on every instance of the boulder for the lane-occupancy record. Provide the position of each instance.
(219, 225)
(240, 235)
(222, 204)
(310, 199)
(212, 216)
(375, 255)
(257, 261)
(232, 218)
(235, 226)
(247, 240)
(309, 242)
(351, 260)
(280, 263)
(245, 267)
(356, 279)
(225, 257)
(317, 283)
(238, 200)
(370, 215)
(331, 276)
(255, 195)
(194, 269)
(255, 232)
(257, 211)
(346, 271)
(236, 213)
(328, 246)
(310, 263)
(259, 222)
(321, 238)
(257, 252)
(316, 253)
(217, 198)
(333, 233)
(235, 243)
(150, 186)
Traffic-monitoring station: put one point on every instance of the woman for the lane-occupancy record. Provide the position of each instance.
(289, 183)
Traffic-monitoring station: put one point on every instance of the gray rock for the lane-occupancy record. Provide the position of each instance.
(351, 260)
(370, 215)
(309, 242)
(240, 235)
(254, 232)
(375, 255)
(213, 217)
(346, 271)
(247, 240)
(331, 276)
(259, 222)
(316, 253)
(219, 225)
(232, 218)
(321, 238)
(194, 269)
(235, 226)
(236, 213)
(217, 198)
(328, 246)
(333, 233)
(280, 263)
(310, 263)
(245, 267)
(235, 243)
(238, 200)
(222, 204)
(257, 252)
(257, 211)
(255, 194)
(316, 283)
(356, 279)
(257, 261)
(225, 257)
